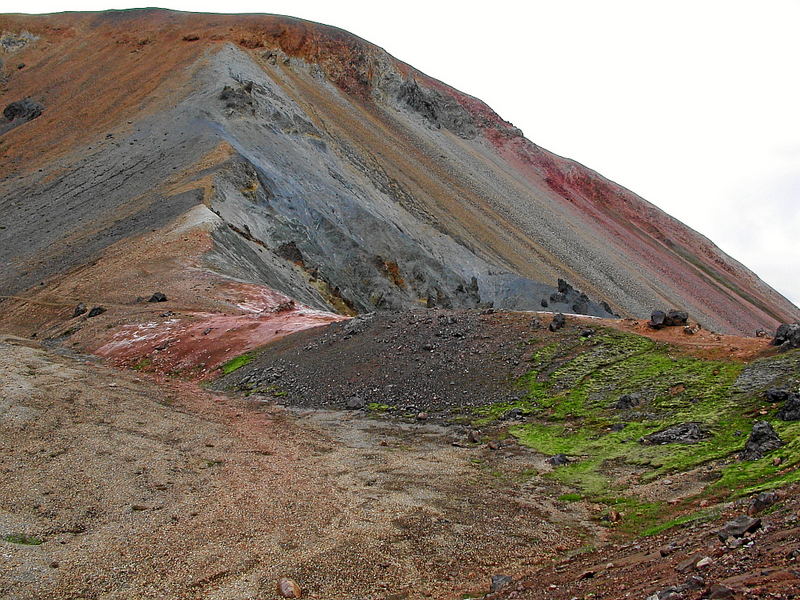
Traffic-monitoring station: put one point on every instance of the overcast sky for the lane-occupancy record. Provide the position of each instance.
(694, 105)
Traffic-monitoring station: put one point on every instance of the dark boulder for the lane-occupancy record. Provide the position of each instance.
(684, 433)
(762, 502)
(544, 303)
(79, 310)
(24, 110)
(676, 318)
(158, 297)
(515, 414)
(558, 460)
(672, 318)
(791, 410)
(558, 322)
(657, 318)
(558, 297)
(628, 401)
(355, 403)
(738, 527)
(762, 441)
(787, 336)
(777, 395)
(97, 310)
(499, 582)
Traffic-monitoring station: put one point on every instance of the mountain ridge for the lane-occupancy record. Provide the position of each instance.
(456, 191)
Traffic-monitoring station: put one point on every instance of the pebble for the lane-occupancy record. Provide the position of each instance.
(288, 589)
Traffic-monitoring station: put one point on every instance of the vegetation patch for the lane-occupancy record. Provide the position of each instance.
(23, 539)
(572, 396)
(236, 363)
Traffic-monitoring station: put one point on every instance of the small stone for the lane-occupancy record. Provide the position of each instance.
(288, 589)
(558, 322)
(493, 445)
(777, 461)
(355, 403)
(703, 562)
(720, 592)
(738, 527)
(79, 310)
(97, 310)
(499, 582)
(158, 297)
(558, 460)
(423, 416)
(761, 502)
(473, 437)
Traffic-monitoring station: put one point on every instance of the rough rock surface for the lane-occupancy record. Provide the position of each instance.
(684, 433)
(763, 440)
(787, 336)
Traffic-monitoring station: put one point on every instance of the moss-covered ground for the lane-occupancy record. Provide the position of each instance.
(570, 392)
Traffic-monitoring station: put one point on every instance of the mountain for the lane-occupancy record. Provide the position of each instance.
(199, 153)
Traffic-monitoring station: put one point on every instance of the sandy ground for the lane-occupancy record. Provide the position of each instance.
(145, 489)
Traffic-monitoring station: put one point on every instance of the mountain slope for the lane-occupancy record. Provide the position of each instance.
(329, 171)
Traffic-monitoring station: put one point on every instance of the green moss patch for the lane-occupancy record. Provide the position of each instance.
(236, 363)
(571, 391)
(23, 539)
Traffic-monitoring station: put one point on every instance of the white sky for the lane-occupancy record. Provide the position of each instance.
(694, 105)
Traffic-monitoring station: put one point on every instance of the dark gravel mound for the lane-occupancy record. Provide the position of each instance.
(430, 361)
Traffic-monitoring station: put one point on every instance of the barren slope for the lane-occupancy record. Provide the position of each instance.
(341, 177)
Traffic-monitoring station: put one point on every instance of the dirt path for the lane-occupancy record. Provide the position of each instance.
(149, 489)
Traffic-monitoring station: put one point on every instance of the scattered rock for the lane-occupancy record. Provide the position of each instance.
(355, 403)
(763, 440)
(719, 592)
(287, 588)
(558, 460)
(684, 433)
(738, 527)
(657, 318)
(24, 110)
(558, 322)
(762, 333)
(628, 401)
(499, 582)
(791, 410)
(191, 37)
(473, 437)
(777, 395)
(79, 310)
(515, 414)
(97, 310)
(423, 416)
(787, 336)
(587, 333)
(158, 297)
(761, 502)
(544, 303)
(703, 562)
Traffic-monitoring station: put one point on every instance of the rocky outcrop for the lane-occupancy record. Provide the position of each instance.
(787, 337)
(763, 440)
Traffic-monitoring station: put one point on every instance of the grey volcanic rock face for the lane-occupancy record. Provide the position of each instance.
(353, 230)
